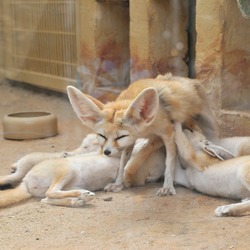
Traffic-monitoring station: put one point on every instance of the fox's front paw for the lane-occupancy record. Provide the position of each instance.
(112, 187)
(164, 191)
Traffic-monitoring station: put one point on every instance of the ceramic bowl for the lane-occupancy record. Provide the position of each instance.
(29, 125)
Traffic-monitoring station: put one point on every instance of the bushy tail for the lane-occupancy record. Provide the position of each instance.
(15, 195)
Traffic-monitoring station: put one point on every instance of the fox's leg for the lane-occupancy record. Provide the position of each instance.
(86, 196)
(135, 161)
(238, 208)
(168, 185)
(56, 196)
(185, 149)
(117, 186)
(233, 209)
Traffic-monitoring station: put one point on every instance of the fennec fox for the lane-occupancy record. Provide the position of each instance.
(146, 109)
(227, 179)
(213, 181)
(64, 179)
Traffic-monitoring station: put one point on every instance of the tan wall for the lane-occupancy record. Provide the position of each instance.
(104, 47)
(236, 59)
(158, 38)
(223, 62)
(134, 44)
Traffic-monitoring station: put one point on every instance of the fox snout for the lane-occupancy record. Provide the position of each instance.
(110, 152)
(107, 152)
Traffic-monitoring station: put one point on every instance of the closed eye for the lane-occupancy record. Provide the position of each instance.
(120, 137)
(104, 137)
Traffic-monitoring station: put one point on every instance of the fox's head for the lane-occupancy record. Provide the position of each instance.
(117, 124)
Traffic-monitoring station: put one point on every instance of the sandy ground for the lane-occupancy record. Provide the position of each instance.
(134, 219)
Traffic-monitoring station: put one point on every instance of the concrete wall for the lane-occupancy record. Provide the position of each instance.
(158, 38)
(104, 63)
(223, 62)
(122, 41)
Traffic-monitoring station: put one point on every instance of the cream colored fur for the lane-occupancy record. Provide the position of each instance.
(54, 176)
(146, 109)
(227, 179)
(65, 178)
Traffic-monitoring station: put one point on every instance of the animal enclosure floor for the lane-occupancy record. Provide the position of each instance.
(133, 219)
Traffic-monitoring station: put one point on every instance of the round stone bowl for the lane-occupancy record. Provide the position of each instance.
(29, 125)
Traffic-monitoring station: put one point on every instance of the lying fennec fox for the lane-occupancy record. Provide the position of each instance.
(146, 109)
(223, 178)
(66, 178)
(228, 179)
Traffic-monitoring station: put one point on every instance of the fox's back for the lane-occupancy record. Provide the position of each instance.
(179, 98)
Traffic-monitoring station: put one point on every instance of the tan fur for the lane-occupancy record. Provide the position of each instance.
(12, 196)
(180, 99)
(147, 108)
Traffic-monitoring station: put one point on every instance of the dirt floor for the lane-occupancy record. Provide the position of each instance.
(134, 219)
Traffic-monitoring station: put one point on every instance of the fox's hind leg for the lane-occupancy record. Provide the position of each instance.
(235, 209)
(70, 198)
(84, 197)
(238, 208)
(73, 198)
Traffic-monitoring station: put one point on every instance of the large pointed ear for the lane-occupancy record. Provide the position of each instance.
(143, 109)
(88, 109)
(218, 152)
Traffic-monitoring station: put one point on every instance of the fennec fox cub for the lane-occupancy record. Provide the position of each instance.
(65, 178)
(227, 179)
(146, 109)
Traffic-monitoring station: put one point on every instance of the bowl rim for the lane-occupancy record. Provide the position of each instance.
(29, 114)
(29, 125)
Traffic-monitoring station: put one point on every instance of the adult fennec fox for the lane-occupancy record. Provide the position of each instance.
(146, 109)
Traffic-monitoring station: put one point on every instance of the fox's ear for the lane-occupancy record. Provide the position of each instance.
(218, 152)
(143, 109)
(87, 108)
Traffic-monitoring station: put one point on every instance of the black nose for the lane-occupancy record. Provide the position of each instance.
(107, 152)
